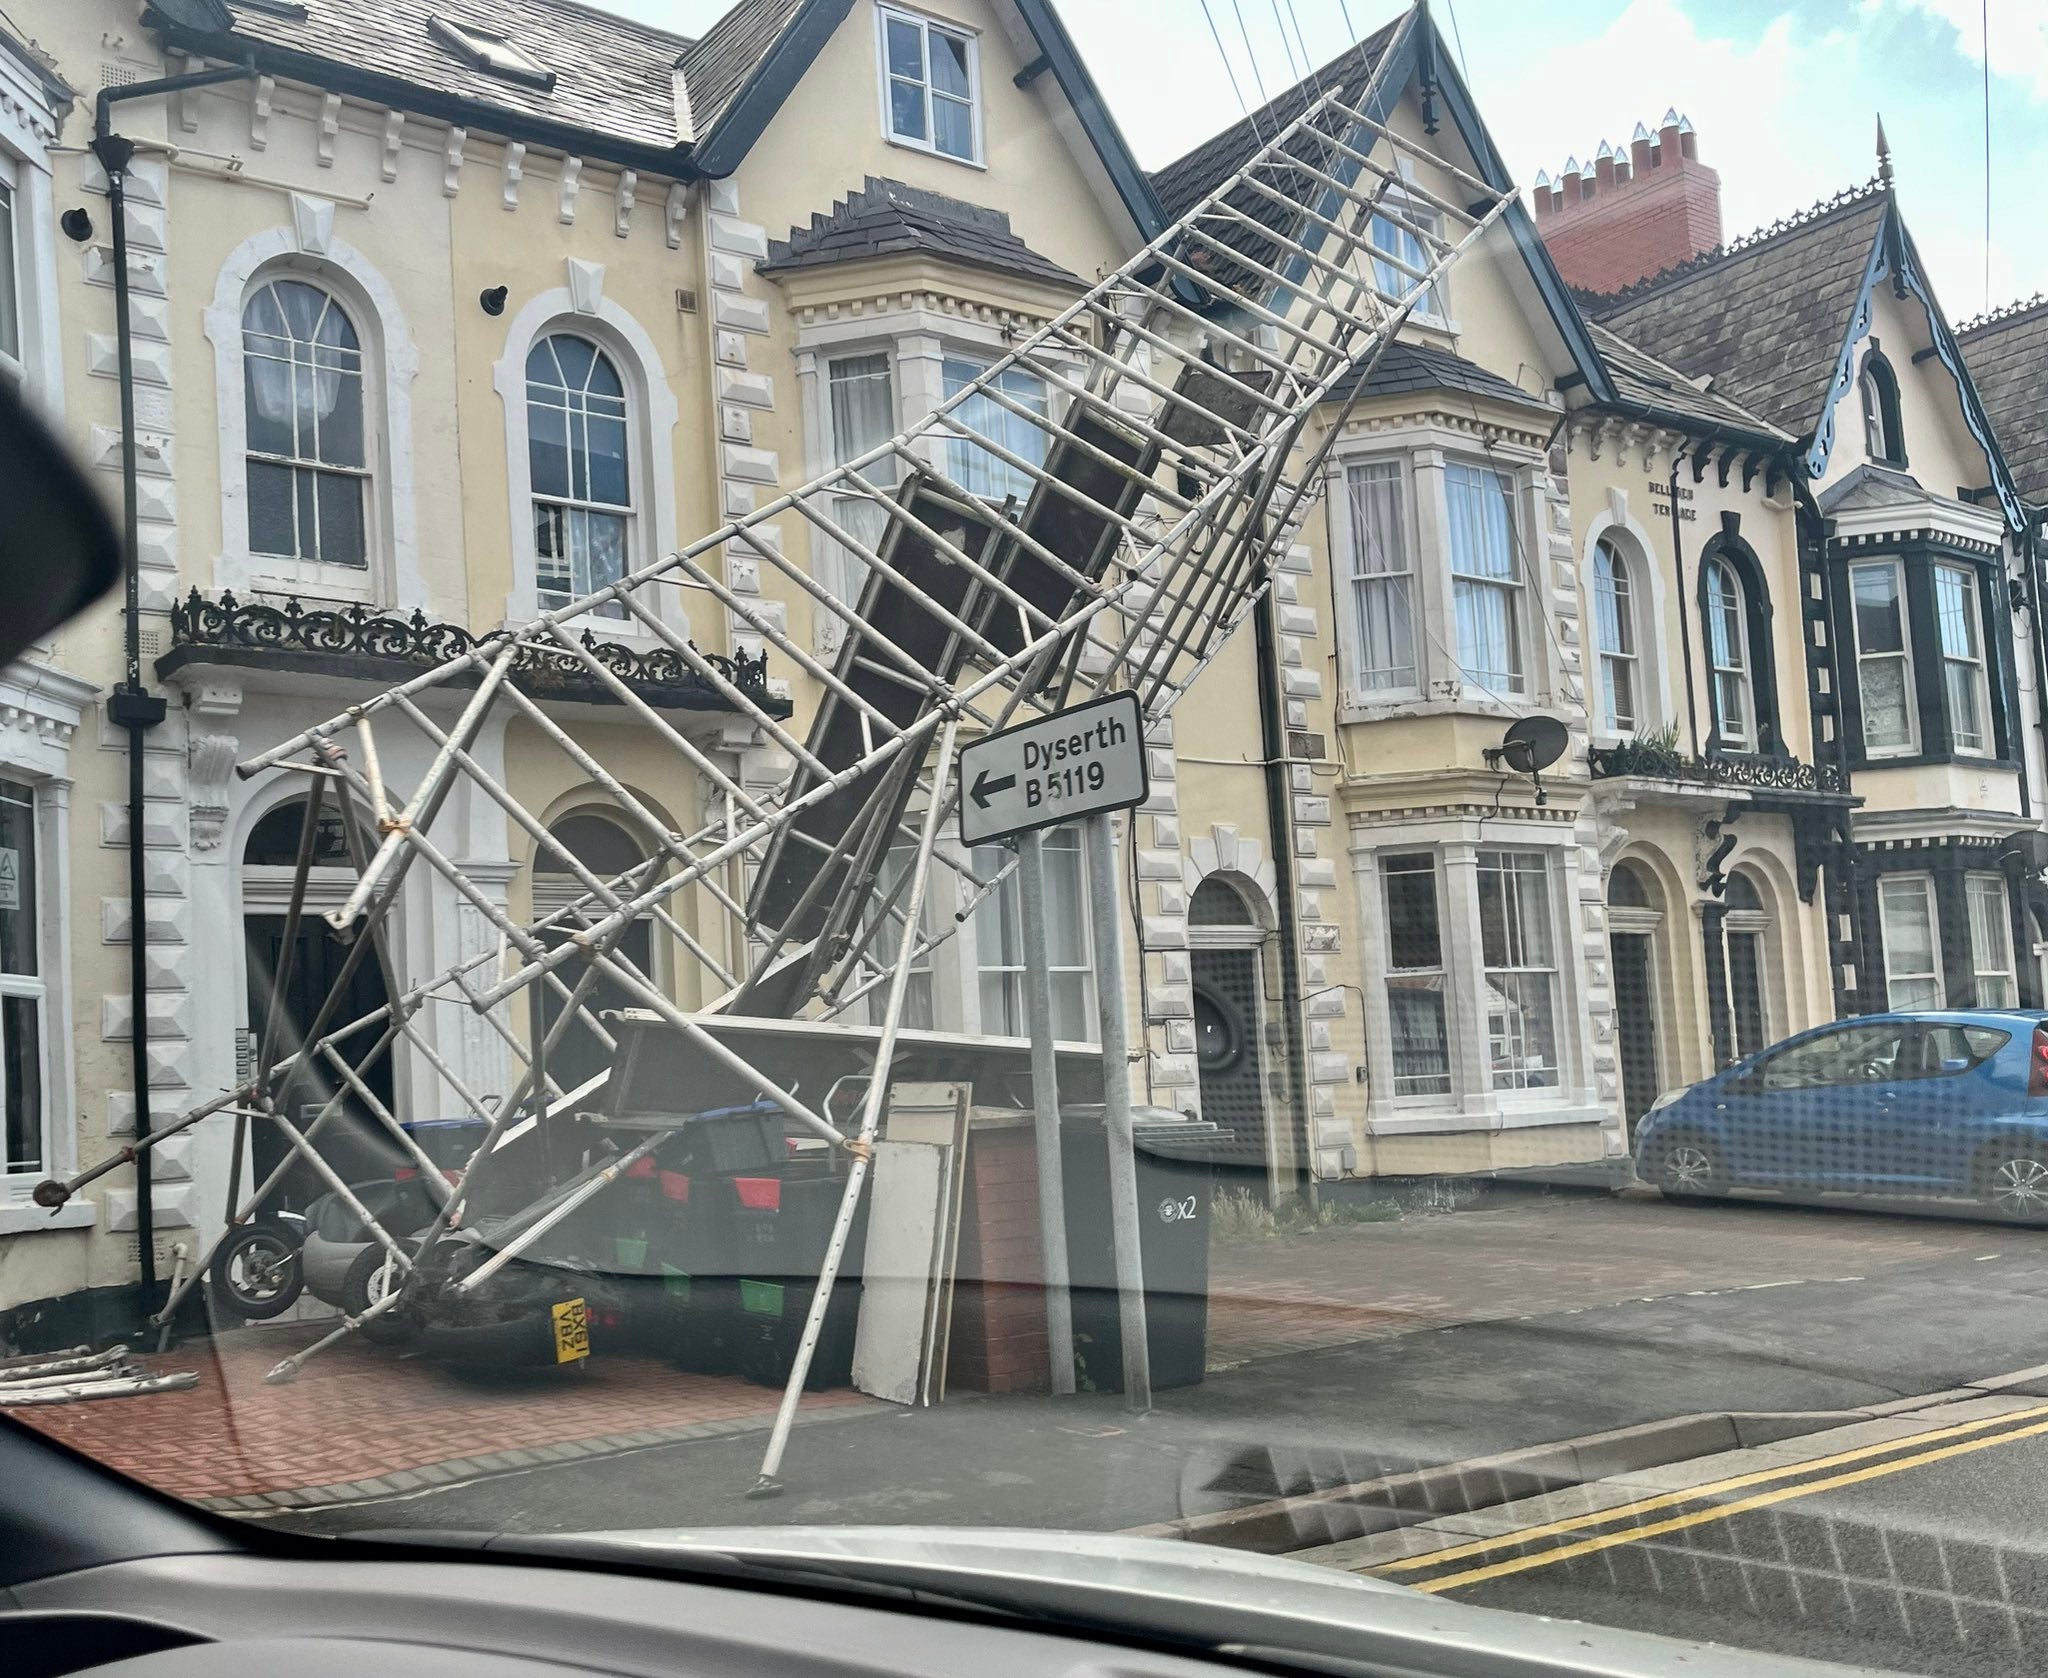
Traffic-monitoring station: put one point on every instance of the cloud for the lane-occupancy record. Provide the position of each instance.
(2018, 33)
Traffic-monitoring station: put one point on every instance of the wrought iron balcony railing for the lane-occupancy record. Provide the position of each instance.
(1767, 773)
(354, 642)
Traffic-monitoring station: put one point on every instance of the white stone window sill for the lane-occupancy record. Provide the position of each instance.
(20, 1216)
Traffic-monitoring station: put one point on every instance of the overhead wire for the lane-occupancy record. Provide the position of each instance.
(1286, 46)
(1258, 80)
(1984, 20)
(1229, 70)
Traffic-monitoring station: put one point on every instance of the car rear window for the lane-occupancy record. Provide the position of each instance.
(1972, 1043)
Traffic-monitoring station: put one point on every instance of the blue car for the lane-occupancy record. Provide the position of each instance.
(1930, 1104)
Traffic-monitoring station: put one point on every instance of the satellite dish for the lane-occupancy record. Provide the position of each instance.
(1534, 744)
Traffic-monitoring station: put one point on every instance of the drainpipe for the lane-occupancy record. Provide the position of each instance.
(1280, 824)
(1816, 528)
(1684, 606)
(131, 706)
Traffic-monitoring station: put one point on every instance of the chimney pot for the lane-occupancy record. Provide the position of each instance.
(1639, 151)
(1603, 165)
(1668, 141)
(1688, 141)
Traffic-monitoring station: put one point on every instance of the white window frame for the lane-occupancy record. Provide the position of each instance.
(629, 512)
(1751, 923)
(1352, 643)
(919, 341)
(1894, 887)
(651, 418)
(842, 573)
(41, 707)
(1978, 665)
(927, 27)
(991, 858)
(1554, 968)
(1521, 600)
(393, 577)
(29, 127)
(1628, 617)
(14, 364)
(1910, 746)
(1390, 974)
(1745, 671)
(1999, 964)
(34, 987)
(1433, 308)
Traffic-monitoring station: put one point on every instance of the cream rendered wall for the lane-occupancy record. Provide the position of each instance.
(1940, 452)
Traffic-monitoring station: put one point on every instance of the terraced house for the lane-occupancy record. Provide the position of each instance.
(445, 313)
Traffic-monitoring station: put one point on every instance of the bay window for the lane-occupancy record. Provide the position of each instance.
(1518, 948)
(1382, 579)
(1962, 659)
(1991, 957)
(22, 984)
(978, 470)
(1884, 672)
(1415, 975)
(999, 941)
(1912, 950)
(1486, 578)
(861, 409)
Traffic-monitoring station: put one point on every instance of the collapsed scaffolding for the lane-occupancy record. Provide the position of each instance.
(1170, 463)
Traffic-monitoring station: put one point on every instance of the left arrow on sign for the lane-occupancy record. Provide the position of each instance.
(984, 788)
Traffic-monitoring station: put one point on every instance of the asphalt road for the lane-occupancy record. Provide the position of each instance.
(1934, 1559)
(1857, 1327)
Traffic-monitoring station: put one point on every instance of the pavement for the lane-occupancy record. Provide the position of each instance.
(1434, 1340)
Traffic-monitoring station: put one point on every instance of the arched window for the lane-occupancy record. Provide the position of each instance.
(1614, 623)
(274, 841)
(1728, 658)
(1627, 889)
(577, 454)
(1746, 927)
(606, 850)
(1877, 390)
(308, 469)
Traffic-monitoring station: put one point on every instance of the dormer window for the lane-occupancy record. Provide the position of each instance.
(930, 86)
(493, 54)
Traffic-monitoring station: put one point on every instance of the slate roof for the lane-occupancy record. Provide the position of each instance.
(888, 218)
(612, 76)
(717, 66)
(1765, 317)
(2007, 355)
(1407, 367)
(1873, 486)
(1194, 175)
(1642, 381)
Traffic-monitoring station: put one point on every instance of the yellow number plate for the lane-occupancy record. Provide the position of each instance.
(572, 1331)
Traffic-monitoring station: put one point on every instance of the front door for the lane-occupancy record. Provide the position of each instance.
(1636, 1015)
(353, 1141)
(1227, 1067)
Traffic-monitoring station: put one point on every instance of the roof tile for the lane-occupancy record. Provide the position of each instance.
(2007, 355)
(887, 218)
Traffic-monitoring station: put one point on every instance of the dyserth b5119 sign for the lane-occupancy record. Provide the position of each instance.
(1057, 769)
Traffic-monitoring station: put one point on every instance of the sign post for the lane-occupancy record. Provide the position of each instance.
(1045, 1102)
(1075, 766)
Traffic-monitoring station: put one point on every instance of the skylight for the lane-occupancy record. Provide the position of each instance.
(492, 54)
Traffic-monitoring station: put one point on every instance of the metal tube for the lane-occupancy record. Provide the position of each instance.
(1045, 1106)
(1116, 1114)
(870, 1123)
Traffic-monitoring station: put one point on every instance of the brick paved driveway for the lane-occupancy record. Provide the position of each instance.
(361, 1422)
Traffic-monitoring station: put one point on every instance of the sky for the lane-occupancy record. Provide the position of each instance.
(1784, 94)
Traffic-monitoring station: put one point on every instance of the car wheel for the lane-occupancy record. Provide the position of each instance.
(1688, 1169)
(369, 1279)
(2016, 1185)
(256, 1271)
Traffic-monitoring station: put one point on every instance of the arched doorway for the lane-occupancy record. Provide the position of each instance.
(1747, 926)
(607, 850)
(1224, 940)
(352, 1140)
(1634, 920)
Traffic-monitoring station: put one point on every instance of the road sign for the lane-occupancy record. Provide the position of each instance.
(1039, 774)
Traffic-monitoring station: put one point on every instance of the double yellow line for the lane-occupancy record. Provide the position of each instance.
(1960, 1433)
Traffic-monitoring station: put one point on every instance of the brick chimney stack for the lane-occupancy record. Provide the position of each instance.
(1632, 214)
